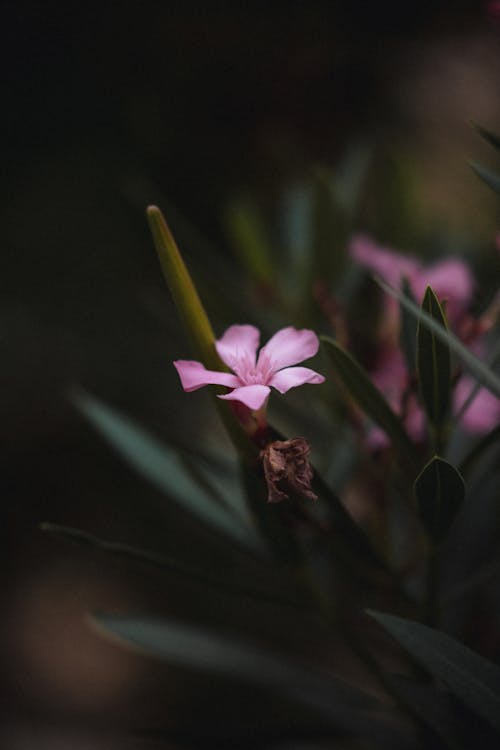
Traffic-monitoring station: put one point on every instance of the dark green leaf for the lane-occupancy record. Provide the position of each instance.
(196, 648)
(488, 136)
(249, 238)
(439, 491)
(408, 332)
(478, 369)
(161, 465)
(330, 231)
(162, 562)
(470, 677)
(487, 176)
(360, 387)
(433, 364)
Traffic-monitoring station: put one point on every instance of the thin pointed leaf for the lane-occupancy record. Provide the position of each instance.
(433, 364)
(492, 138)
(183, 291)
(194, 319)
(340, 704)
(487, 176)
(478, 369)
(161, 466)
(439, 491)
(470, 677)
(330, 230)
(249, 238)
(479, 449)
(408, 332)
(367, 396)
(163, 562)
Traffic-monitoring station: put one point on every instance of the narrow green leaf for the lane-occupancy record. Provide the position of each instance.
(159, 464)
(367, 396)
(492, 138)
(183, 291)
(470, 677)
(439, 492)
(200, 649)
(480, 448)
(408, 332)
(330, 230)
(487, 176)
(433, 364)
(249, 238)
(162, 562)
(478, 369)
(194, 319)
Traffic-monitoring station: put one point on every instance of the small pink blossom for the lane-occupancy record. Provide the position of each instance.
(252, 376)
(453, 283)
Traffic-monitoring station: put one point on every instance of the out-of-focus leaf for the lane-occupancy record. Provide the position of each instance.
(486, 442)
(433, 364)
(433, 706)
(478, 369)
(367, 396)
(183, 291)
(487, 176)
(492, 138)
(162, 562)
(408, 331)
(249, 239)
(340, 704)
(470, 677)
(439, 491)
(194, 319)
(162, 466)
(330, 232)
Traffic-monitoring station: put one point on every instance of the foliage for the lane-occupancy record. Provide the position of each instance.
(385, 532)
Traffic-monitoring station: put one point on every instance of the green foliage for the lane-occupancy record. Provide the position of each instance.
(434, 364)
(439, 491)
(473, 364)
(162, 466)
(366, 395)
(470, 677)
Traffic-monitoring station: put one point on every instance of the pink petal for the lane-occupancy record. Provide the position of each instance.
(239, 343)
(389, 265)
(253, 396)
(194, 375)
(484, 412)
(288, 347)
(452, 281)
(291, 377)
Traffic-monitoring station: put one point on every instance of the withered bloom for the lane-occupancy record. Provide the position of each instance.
(287, 469)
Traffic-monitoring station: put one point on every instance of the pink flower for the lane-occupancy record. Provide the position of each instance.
(452, 281)
(253, 376)
(450, 278)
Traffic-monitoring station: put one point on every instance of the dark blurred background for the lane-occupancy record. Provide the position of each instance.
(106, 109)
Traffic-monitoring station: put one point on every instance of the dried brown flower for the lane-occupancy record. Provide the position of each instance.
(287, 469)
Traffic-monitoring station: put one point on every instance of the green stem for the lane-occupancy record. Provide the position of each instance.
(431, 589)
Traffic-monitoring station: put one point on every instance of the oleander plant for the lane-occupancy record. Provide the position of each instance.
(348, 476)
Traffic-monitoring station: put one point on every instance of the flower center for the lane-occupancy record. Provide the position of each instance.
(253, 374)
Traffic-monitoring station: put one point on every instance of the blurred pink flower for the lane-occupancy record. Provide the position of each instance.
(451, 278)
(254, 376)
(453, 283)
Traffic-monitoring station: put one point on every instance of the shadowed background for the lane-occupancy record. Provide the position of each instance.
(108, 109)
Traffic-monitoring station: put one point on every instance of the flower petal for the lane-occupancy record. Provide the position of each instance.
(483, 414)
(452, 281)
(291, 377)
(288, 347)
(194, 375)
(239, 343)
(253, 396)
(389, 265)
